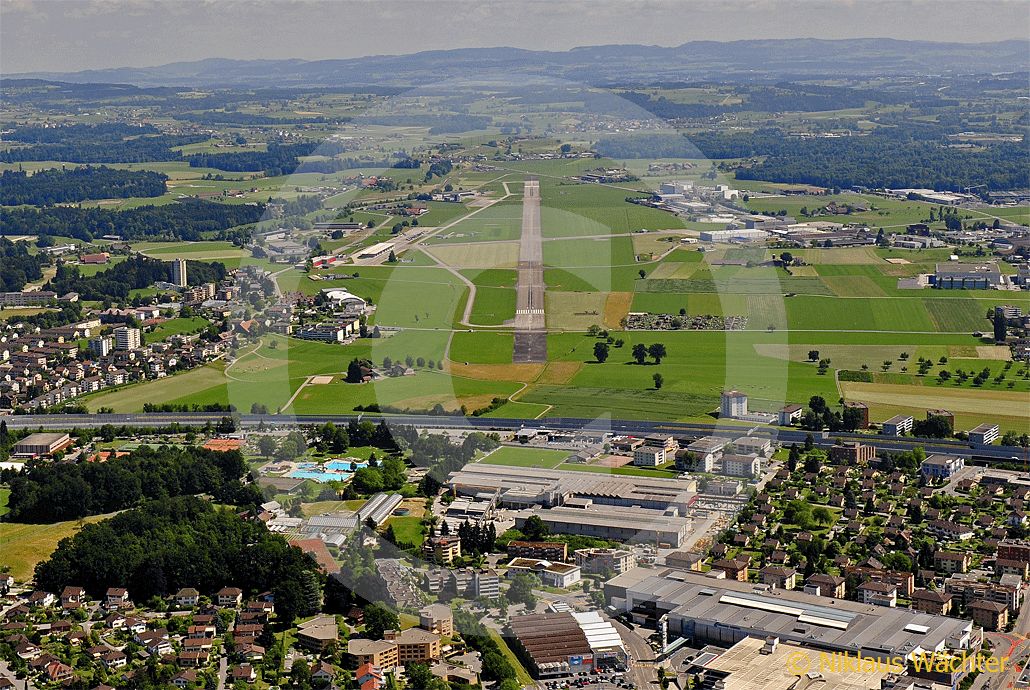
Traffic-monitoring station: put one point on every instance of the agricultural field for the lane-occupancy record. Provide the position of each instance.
(24, 545)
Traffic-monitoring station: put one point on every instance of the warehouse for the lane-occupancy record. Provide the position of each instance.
(557, 644)
(36, 445)
(542, 487)
(612, 523)
(723, 612)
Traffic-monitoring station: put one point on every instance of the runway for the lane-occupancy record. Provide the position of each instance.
(530, 327)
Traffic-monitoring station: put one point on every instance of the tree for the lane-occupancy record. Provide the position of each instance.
(641, 273)
(817, 404)
(658, 380)
(813, 355)
(378, 619)
(794, 457)
(657, 352)
(534, 528)
(392, 258)
(601, 351)
(266, 446)
(639, 352)
(1000, 333)
(521, 590)
(354, 374)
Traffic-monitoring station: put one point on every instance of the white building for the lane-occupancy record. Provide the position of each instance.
(179, 272)
(984, 434)
(734, 404)
(344, 299)
(741, 465)
(126, 338)
(897, 425)
(551, 573)
(648, 456)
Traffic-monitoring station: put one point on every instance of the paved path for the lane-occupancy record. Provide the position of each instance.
(530, 328)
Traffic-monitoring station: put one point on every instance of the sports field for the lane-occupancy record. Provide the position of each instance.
(526, 457)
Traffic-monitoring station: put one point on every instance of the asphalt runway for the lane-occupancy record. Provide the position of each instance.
(530, 333)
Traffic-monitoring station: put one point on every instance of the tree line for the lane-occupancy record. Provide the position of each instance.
(188, 219)
(62, 185)
(132, 274)
(54, 492)
(899, 157)
(100, 143)
(18, 266)
(171, 543)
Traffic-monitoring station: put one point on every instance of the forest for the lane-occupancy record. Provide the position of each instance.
(101, 143)
(56, 492)
(171, 543)
(184, 220)
(132, 274)
(63, 185)
(908, 157)
(18, 266)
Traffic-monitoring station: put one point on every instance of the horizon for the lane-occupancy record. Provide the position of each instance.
(214, 58)
(105, 34)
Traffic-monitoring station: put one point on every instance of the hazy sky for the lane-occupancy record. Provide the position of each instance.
(70, 35)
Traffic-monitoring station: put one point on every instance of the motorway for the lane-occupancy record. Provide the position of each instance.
(631, 427)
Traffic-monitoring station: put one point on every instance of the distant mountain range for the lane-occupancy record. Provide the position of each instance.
(754, 60)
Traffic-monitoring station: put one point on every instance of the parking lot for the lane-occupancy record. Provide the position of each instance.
(608, 681)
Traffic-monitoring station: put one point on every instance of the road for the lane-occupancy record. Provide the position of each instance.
(631, 427)
(530, 326)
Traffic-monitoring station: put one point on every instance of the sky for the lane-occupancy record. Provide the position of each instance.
(72, 35)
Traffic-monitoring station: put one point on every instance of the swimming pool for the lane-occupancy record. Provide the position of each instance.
(332, 471)
(344, 465)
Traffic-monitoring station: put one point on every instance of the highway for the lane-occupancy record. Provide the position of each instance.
(631, 427)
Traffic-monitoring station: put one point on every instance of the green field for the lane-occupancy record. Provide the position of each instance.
(407, 529)
(495, 296)
(526, 457)
(176, 326)
(23, 546)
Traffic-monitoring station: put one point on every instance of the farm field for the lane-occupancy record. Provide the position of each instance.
(970, 406)
(22, 546)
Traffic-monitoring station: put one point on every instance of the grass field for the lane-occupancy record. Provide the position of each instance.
(526, 457)
(177, 326)
(970, 406)
(5, 496)
(407, 529)
(22, 546)
(481, 347)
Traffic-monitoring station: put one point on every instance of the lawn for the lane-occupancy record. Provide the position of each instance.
(176, 326)
(526, 457)
(23, 546)
(407, 529)
(5, 496)
(482, 347)
(495, 296)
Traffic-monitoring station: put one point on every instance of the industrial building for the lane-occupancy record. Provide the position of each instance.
(956, 276)
(704, 609)
(613, 523)
(532, 486)
(36, 445)
(558, 644)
